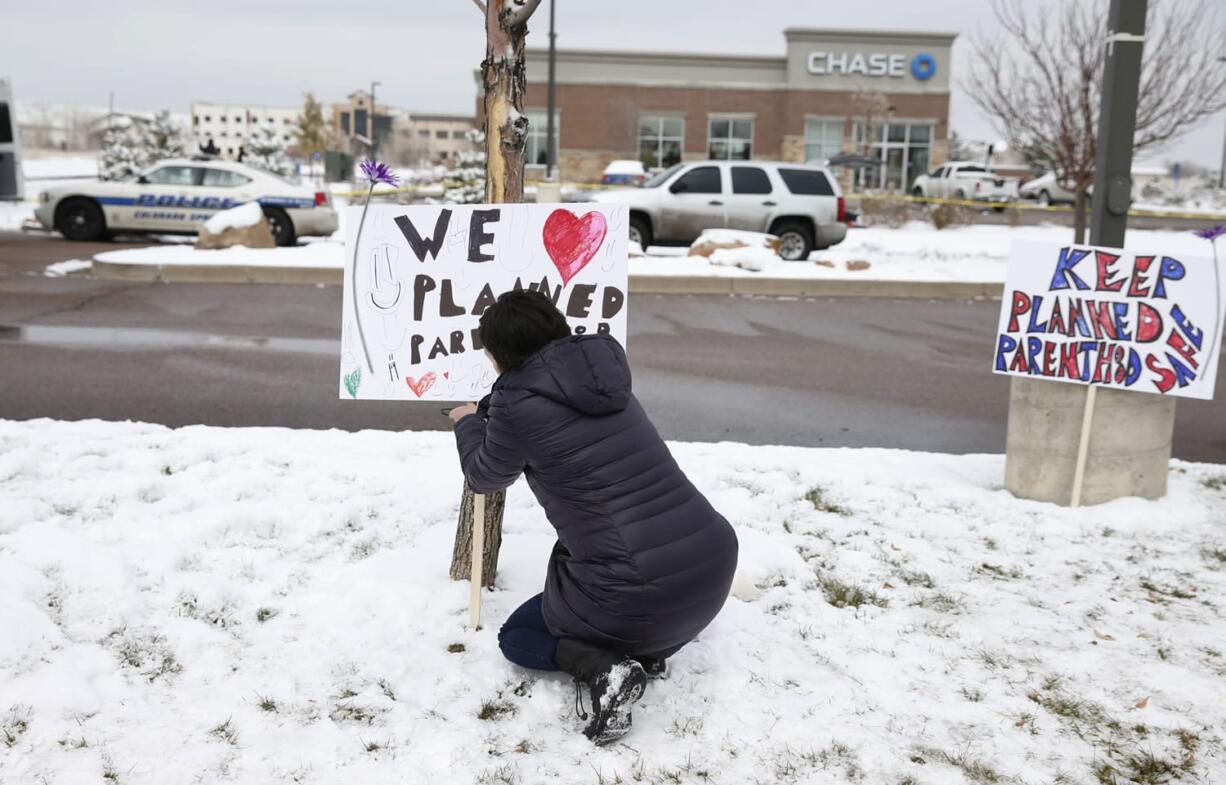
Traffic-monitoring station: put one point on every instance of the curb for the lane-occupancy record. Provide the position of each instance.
(639, 284)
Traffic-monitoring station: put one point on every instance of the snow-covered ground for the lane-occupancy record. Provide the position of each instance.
(316, 255)
(914, 252)
(270, 605)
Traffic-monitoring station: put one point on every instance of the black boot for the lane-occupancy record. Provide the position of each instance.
(614, 683)
(654, 667)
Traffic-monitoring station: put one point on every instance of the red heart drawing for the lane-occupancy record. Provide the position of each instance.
(420, 386)
(571, 242)
(446, 374)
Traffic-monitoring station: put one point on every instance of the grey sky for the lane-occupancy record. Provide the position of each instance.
(167, 54)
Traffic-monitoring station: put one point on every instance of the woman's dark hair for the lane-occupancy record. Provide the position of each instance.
(519, 325)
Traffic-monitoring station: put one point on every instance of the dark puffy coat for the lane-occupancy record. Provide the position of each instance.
(643, 561)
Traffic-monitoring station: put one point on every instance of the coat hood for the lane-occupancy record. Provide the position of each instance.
(588, 373)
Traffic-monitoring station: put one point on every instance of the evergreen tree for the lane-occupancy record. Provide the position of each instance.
(465, 181)
(311, 130)
(162, 138)
(122, 154)
(264, 150)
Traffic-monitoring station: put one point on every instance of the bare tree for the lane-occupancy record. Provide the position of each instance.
(869, 107)
(506, 136)
(1041, 82)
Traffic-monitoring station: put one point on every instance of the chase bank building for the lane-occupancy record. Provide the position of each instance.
(831, 90)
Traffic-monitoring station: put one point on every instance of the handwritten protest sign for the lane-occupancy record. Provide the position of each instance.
(423, 275)
(1145, 321)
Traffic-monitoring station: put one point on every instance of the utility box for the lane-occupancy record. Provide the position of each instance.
(11, 181)
(338, 166)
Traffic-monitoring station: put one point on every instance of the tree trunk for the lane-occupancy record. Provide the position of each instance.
(502, 72)
(1079, 214)
(462, 552)
(506, 134)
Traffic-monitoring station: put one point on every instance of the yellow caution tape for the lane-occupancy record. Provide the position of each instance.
(1020, 205)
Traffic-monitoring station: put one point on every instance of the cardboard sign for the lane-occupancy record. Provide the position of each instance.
(417, 285)
(1144, 321)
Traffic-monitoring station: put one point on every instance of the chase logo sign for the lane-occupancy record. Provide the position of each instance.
(923, 66)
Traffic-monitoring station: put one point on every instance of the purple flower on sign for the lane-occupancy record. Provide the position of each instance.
(1211, 234)
(375, 172)
(379, 172)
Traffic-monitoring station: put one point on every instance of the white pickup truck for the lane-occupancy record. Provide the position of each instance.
(965, 180)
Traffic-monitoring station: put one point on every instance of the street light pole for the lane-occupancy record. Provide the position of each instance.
(1221, 175)
(374, 140)
(550, 161)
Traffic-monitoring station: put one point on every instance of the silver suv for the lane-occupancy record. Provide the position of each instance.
(800, 204)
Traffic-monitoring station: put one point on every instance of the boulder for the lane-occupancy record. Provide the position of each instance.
(713, 240)
(242, 225)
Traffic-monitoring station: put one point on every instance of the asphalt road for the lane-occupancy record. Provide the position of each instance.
(858, 373)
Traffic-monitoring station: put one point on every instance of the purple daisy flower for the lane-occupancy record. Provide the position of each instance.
(1212, 233)
(378, 172)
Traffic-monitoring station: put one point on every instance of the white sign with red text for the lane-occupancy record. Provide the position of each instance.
(1140, 320)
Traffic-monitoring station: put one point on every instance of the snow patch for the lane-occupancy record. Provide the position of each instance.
(246, 214)
(60, 269)
(273, 604)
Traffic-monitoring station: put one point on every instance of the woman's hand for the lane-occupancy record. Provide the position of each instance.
(461, 412)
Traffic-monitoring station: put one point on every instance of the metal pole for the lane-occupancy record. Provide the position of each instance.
(374, 140)
(550, 157)
(1117, 122)
(1221, 175)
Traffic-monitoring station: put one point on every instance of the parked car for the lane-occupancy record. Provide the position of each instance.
(965, 180)
(178, 195)
(624, 173)
(1048, 189)
(10, 146)
(800, 204)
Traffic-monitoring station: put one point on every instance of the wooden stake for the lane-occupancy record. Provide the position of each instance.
(474, 602)
(1083, 448)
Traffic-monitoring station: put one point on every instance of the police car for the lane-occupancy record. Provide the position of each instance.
(177, 195)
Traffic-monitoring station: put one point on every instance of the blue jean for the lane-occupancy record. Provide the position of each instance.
(525, 640)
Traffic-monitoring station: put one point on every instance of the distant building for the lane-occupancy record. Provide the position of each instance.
(439, 138)
(810, 103)
(231, 125)
(353, 128)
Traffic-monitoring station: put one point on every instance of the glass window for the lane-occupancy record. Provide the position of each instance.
(359, 122)
(172, 175)
(6, 124)
(537, 130)
(750, 180)
(660, 140)
(345, 123)
(458, 134)
(238, 119)
(806, 182)
(657, 180)
(823, 139)
(699, 180)
(209, 118)
(904, 150)
(220, 178)
(730, 138)
(440, 134)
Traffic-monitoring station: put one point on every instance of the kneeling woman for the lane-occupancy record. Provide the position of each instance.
(643, 561)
